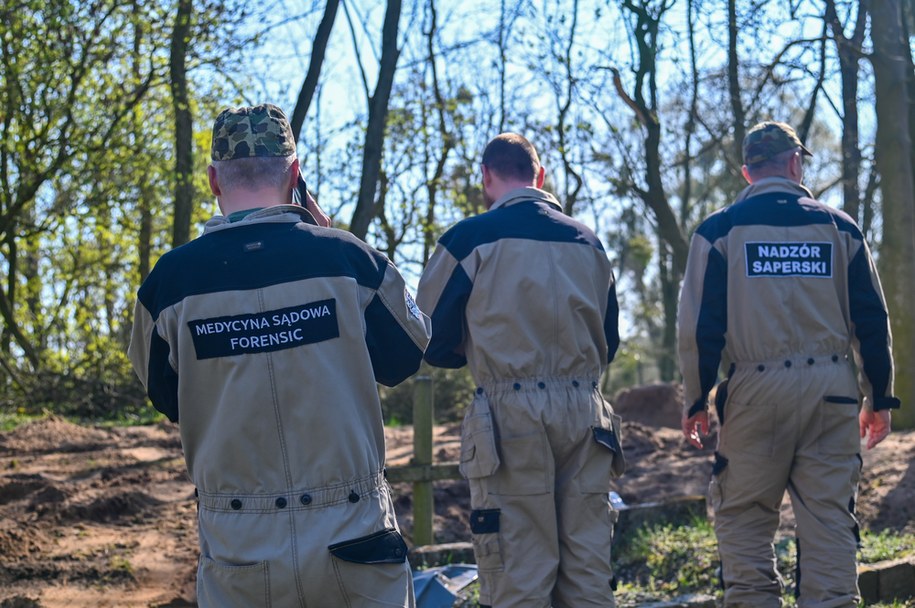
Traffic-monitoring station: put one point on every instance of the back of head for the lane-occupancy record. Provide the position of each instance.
(252, 148)
(512, 157)
(767, 147)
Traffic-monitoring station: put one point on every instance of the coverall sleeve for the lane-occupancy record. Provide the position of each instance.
(701, 321)
(396, 330)
(150, 356)
(443, 291)
(612, 321)
(872, 341)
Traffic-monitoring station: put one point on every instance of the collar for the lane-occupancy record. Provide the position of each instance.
(240, 215)
(520, 195)
(767, 185)
(274, 213)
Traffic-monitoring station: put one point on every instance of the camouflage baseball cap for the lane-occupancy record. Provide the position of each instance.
(252, 131)
(768, 139)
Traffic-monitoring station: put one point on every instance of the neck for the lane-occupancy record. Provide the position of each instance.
(243, 200)
(504, 188)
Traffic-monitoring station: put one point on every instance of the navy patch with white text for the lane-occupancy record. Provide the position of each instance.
(265, 331)
(789, 260)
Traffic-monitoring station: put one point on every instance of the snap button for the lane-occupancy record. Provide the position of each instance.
(305, 499)
(516, 386)
(479, 390)
(810, 361)
(761, 367)
(235, 504)
(575, 383)
(541, 385)
(353, 497)
(787, 363)
(280, 503)
(835, 358)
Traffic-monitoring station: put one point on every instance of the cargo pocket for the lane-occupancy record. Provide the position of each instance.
(231, 585)
(372, 568)
(479, 456)
(487, 549)
(839, 429)
(605, 459)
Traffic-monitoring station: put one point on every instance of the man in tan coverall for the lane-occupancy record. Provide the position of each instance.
(787, 286)
(525, 296)
(263, 339)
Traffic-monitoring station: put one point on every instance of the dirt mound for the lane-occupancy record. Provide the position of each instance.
(20, 542)
(112, 508)
(18, 486)
(52, 435)
(654, 405)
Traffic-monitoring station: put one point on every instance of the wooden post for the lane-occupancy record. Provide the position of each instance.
(423, 416)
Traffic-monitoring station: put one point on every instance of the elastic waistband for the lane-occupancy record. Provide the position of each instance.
(309, 498)
(537, 384)
(796, 361)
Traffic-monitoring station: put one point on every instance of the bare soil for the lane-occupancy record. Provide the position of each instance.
(106, 517)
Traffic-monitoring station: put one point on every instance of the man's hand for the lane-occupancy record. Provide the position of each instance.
(695, 427)
(874, 425)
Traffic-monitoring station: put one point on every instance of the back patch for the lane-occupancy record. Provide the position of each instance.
(789, 260)
(265, 331)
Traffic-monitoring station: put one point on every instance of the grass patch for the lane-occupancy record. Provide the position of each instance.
(881, 546)
(662, 562)
(12, 420)
(668, 561)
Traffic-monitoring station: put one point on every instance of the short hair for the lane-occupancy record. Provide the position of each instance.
(774, 166)
(511, 156)
(253, 173)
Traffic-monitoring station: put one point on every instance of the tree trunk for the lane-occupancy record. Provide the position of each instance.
(891, 58)
(378, 114)
(314, 67)
(737, 109)
(849, 51)
(448, 140)
(184, 127)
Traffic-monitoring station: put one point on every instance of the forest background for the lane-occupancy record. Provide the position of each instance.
(637, 107)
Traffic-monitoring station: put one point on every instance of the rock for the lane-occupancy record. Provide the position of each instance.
(887, 581)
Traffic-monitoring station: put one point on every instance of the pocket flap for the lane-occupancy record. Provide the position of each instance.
(384, 547)
(607, 438)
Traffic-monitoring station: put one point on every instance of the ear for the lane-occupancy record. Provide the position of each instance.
(796, 167)
(746, 174)
(487, 176)
(541, 175)
(214, 184)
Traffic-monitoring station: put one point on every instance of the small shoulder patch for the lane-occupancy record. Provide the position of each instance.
(411, 304)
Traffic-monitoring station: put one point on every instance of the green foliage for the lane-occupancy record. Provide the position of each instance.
(885, 545)
(452, 391)
(670, 560)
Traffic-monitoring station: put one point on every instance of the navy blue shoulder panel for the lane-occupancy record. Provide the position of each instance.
(256, 256)
(775, 209)
(530, 220)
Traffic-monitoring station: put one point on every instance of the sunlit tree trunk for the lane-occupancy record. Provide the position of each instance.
(891, 59)
(378, 112)
(184, 124)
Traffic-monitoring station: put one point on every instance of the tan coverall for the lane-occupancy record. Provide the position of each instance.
(263, 339)
(787, 286)
(525, 296)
